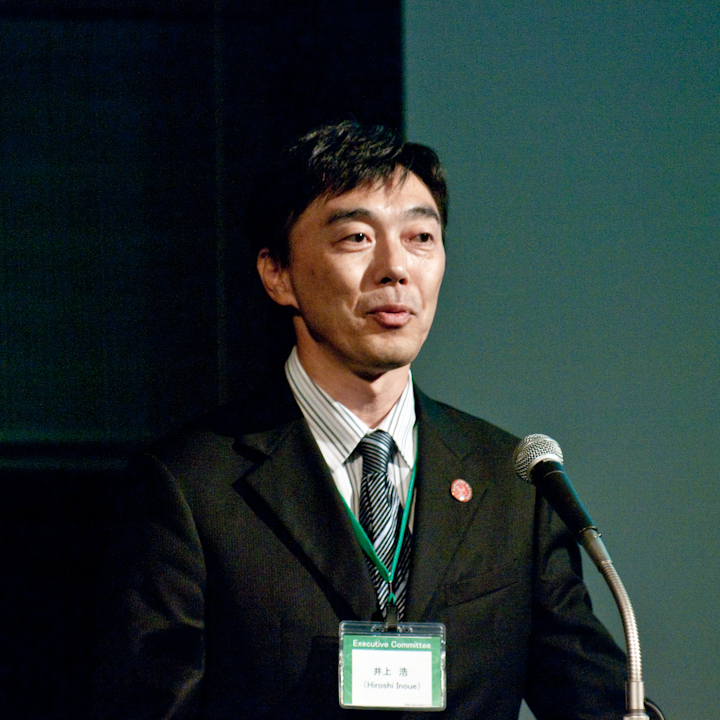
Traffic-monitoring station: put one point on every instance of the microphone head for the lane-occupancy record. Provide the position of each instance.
(531, 451)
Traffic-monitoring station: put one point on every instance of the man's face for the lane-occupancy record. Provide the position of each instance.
(364, 274)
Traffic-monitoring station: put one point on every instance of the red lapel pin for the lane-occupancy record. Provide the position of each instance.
(460, 490)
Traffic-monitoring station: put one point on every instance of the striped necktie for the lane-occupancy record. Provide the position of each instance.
(381, 516)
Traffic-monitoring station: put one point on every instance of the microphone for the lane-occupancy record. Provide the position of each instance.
(538, 460)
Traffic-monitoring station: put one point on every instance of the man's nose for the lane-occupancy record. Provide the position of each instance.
(390, 262)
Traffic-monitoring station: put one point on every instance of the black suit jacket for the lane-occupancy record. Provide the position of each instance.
(238, 561)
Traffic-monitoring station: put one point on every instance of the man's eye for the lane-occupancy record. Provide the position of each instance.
(358, 237)
(423, 237)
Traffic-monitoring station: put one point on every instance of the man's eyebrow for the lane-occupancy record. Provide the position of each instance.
(346, 215)
(363, 214)
(423, 211)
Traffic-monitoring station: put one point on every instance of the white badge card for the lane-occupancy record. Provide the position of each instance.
(403, 669)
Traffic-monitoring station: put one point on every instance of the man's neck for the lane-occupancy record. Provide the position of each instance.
(369, 399)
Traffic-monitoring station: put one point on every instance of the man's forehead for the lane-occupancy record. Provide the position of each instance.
(363, 201)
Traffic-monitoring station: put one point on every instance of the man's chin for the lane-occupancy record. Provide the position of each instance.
(376, 365)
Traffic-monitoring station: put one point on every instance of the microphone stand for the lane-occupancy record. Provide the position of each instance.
(538, 459)
(589, 538)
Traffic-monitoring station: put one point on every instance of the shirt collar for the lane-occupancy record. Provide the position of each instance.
(338, 430)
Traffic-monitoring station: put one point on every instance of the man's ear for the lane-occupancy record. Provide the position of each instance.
(275, 279)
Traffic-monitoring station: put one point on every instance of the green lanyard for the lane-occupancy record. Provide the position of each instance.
(367, 546)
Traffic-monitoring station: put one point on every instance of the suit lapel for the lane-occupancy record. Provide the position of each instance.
(440, 520)
(291, 485)
(288, 483)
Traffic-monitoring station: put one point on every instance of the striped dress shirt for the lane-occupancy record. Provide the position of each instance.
(338, 431)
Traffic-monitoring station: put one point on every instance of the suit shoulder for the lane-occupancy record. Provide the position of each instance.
(193, 453)
(478, 432)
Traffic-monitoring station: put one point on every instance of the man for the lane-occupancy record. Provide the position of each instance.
(241, 555)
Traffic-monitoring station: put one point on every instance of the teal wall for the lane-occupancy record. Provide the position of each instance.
(582, 292)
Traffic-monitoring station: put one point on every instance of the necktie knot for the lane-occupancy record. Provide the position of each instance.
(376, 450)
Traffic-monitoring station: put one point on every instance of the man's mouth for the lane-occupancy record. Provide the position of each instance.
(392, 315)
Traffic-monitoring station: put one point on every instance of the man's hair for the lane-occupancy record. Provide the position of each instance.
(333, 160)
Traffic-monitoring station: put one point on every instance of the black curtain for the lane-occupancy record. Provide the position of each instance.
(132, 135)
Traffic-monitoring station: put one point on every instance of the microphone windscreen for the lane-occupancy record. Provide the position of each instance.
(532, 449)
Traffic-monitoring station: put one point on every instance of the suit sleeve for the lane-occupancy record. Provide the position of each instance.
(575, 669)
(152, 646)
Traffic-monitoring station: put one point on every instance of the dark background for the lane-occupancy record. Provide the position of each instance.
(131, 135)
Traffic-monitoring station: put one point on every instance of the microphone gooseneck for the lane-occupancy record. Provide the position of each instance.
(538, 460)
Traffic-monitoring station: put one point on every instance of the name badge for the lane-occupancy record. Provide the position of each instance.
(399, 669)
